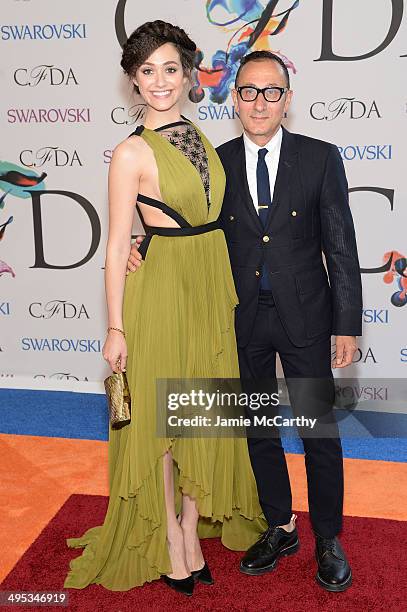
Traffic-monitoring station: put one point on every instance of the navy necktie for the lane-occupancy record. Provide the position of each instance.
(264, 205)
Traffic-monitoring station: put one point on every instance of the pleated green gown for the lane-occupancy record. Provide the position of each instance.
(179, 322)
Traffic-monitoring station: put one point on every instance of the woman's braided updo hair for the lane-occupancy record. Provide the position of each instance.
(148, 37)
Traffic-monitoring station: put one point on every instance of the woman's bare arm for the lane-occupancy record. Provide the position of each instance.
(124, 179)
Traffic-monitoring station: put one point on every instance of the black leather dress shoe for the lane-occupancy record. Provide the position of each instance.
(334, 573)
(203, 575)
(262, 557)
(184, 586)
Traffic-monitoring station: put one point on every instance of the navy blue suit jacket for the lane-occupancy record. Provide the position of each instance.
(309, 217)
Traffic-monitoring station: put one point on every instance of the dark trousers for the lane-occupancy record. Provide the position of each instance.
(323, 455)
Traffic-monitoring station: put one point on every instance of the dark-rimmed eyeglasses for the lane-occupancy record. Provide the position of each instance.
(248, 93)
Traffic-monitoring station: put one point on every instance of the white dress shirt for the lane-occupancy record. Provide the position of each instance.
(272, 158)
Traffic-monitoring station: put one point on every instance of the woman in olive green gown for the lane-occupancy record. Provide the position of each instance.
(178, 319)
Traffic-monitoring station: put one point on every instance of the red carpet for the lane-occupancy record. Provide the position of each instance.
(374, 546)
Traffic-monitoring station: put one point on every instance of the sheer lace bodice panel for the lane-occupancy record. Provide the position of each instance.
(185, 137)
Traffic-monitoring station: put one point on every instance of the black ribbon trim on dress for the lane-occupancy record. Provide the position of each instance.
(143, 247)
(175, 231)
(183, 231)
(138, 131)
(170, 212)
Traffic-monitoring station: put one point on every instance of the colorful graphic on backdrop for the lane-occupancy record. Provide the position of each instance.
(397, 273)
(259, 24)
(15, 180)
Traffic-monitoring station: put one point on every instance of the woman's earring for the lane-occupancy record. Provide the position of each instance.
(285, 115)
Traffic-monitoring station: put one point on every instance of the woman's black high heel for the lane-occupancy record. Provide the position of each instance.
(203, 575)
(184, 586)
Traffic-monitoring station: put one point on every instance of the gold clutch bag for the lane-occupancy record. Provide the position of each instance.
(118, 399)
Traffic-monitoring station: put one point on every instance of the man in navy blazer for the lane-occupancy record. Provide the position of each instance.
(285, 208)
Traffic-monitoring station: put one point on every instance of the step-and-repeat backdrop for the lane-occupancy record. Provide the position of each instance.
(65, 104)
